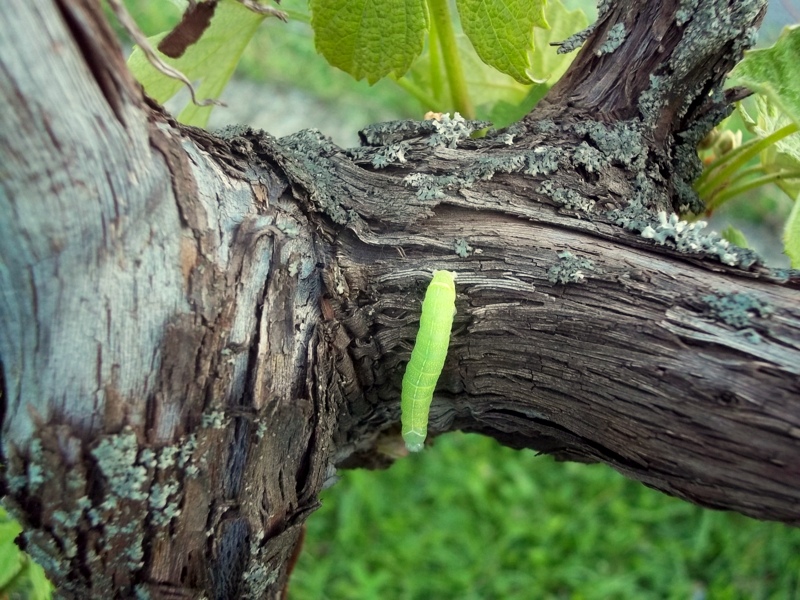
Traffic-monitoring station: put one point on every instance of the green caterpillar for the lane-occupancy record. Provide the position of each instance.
(427, 357)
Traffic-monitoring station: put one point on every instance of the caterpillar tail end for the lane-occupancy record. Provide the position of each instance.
(414, 441)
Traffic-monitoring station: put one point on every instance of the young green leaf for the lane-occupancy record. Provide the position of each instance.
(774, 72)
(502, 32)
(212, 60)
(791, 235)
(547, 65)
(734, 236)
(369, 39)
(784, 155)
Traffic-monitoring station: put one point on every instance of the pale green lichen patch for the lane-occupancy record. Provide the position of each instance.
(620, 142)
(116, 458)
(462, 248)
(162, 510)
(636, 216)
(686, 9)
(167, 457)
(386, 155)
(309, 154)
(258, 577)
(287, 225)
(570, 269)
(35, 461)
(486, 166)
(449, 131)
(215, 419)
(16, 483)
(429, 187)
(708, 26)
(507, 137)
(785, 275)
(686, 162)
(616, 35)
(569, 199)
(44, 552)
(589, 158)
(603, 6)
(671, 231)
(185, 455)
(577, 39)
(652, 100)
(691, 238)
(131, 489)
(442, 131)
(737, 310)
(393, 132)
(127, 471)
(543, 126)
(542, 160)
(148, 458)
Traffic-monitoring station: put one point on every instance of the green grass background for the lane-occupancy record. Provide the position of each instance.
(469, 519)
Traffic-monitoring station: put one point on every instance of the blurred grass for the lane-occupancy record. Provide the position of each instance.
(470, 519)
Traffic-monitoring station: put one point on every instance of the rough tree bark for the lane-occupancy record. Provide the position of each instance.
(196, 331)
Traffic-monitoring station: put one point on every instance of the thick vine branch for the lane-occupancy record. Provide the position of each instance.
(638, 339)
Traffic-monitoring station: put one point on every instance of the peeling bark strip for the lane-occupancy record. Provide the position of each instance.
(196, 331)
(192, 25)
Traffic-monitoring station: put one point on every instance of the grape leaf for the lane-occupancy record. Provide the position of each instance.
(211, 61)
(791, 235)
(734, 236)
(501, 31)
(783, 155)
(774, 72)
(369, 38)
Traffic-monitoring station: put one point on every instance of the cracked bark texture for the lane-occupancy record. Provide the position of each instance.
(196, 331)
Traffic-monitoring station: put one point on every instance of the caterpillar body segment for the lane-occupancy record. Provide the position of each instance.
(427, 358)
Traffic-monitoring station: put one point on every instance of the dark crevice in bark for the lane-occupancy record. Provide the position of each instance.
(101, 51)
